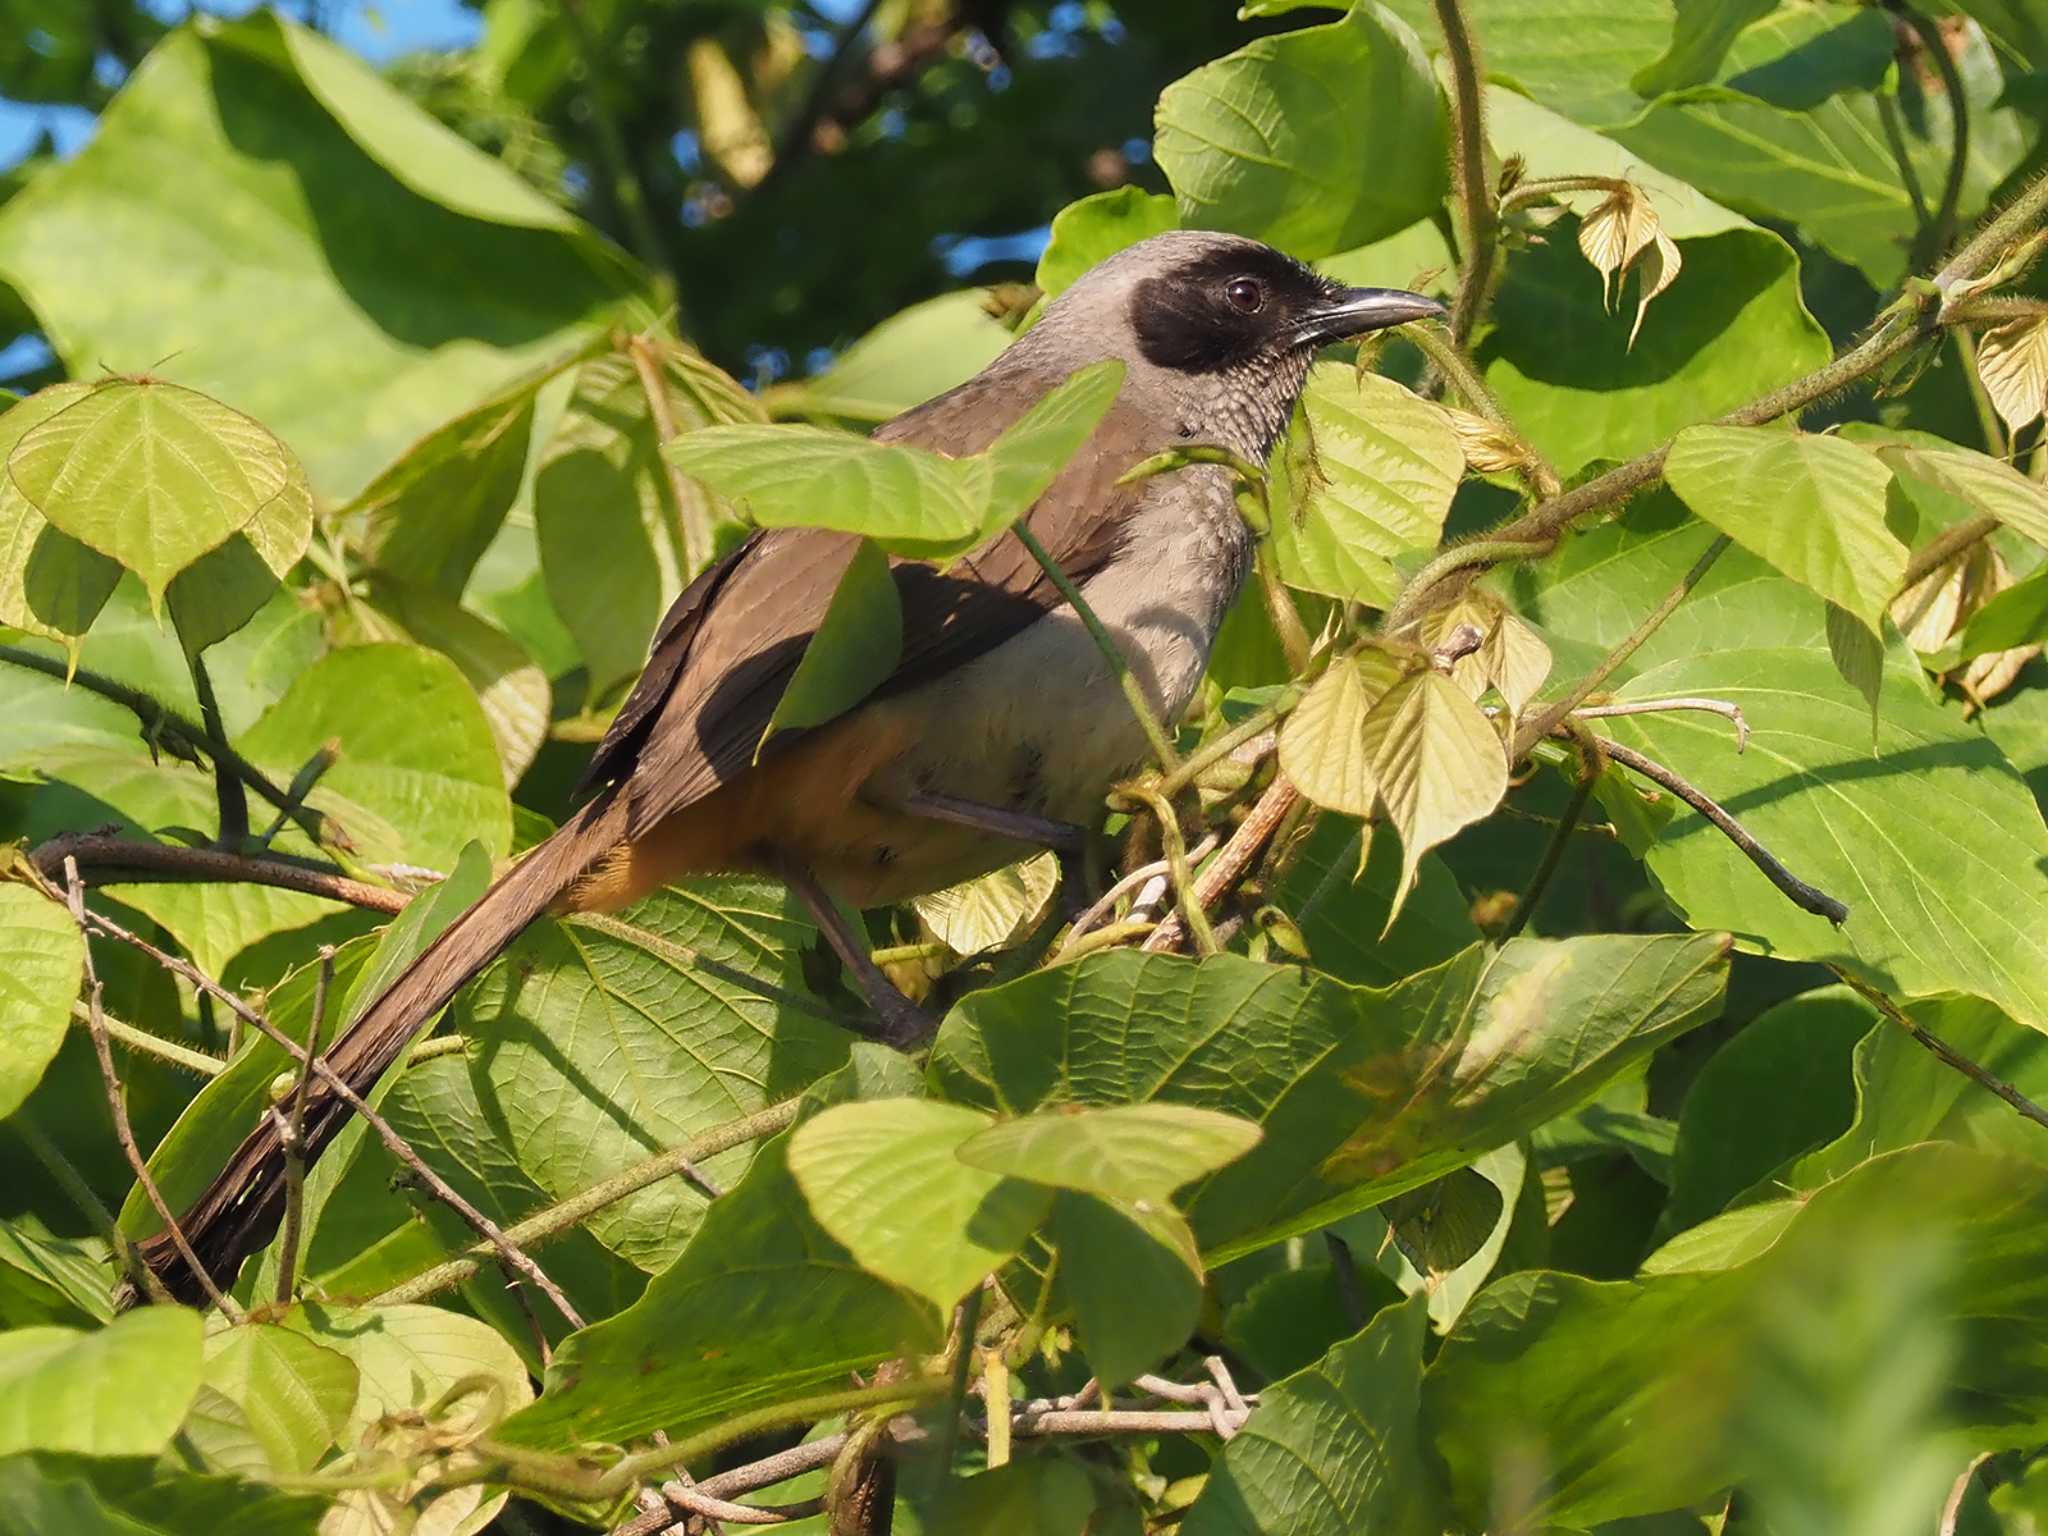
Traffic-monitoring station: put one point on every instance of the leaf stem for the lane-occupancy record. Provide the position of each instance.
(229, 797)
(1554, 714)
(564, 1214)
(1148, 721)
(1945, 546)
(143, 1043)
(691, 512)
(1408, 607)
(1179, 875)
(1468, 121)
(294, 1137)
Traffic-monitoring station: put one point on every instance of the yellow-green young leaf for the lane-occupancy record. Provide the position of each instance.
(220, 591)
(117, 1391)
(1141, 1152)
(990, 912)
(1133, 1274)
(1085, 232)
(2012, 362)
(1988, 484)
(1439, 763)
(855, 648)
(1322, 745)
(295, 1396)
(150, 474)
(50, 584)
(1487, 445)
(1812, 506)
(1511, 657)
(1368, 474)
(41, 957)
(884, 1179)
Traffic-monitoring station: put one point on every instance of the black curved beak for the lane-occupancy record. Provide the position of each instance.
(1354, 311)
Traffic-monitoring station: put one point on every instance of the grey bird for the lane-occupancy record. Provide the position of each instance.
(1002, 727)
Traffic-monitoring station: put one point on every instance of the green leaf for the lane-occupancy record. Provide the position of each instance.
(1323, 746)
(853, 651)
(2015, 617)
(1251, 142)
(1443, 1224)
(1778, 1088)
(883, 1178)
(1609, 1386)
(512, 691)
(1699, 43)
(296, 1396)
(1732, 327)
(1099, 226)
(913, 355)
(907, 500)
(227, 586)
(1132, 1274)
(42, 955)
(1044, 1495)
(602, 1041)
(1368, 477)
(1335, 1448)
(418, 775)
(150, 474)
(1822, 50)
(1831, 168)
(1869, 827)
(118, 1391)
(1986, 484)
(1340, 896)
(763, 1305)
(249, 136)
(45, 1278)
(1577, 57)
(1813, 506)
(993, 910)
(1290, 1318)
(1858, 655)
(1133, 1152)
(407, 1357)
(134, 1497)
(50, 584)
(1362, 1092)
(429, 516)
(1439, 763)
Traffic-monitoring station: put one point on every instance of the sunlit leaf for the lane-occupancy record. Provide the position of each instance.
(851, 653)
(117, 1391)
(1323, 746)
(41, 956)
(1138, 1152)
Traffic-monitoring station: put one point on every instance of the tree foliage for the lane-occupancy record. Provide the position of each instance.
(1570, 1060)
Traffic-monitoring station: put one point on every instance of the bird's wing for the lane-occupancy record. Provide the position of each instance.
(732, 640)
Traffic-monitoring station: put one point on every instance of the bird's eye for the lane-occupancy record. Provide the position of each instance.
(1245, 295)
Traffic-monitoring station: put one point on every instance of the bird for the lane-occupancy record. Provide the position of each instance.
(1002, 727)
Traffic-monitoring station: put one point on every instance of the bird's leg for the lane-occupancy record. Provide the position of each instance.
(903, 1023)
(1067, 839)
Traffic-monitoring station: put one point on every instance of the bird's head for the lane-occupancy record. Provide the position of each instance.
(1223, 325)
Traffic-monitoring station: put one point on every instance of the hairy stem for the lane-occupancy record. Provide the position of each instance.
(143, 1043)
(1461, 50)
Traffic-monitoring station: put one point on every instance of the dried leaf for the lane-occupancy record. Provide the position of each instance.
(1659, 270)
(1488, 447)
(2012, 362)
(1615, 233)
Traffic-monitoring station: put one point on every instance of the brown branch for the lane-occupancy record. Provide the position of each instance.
(162, 723)
(1806, 897)
(115, 859)
(1233, 862)
(336, 1084)
(117, 1105)
(1945, 1052)
(1945, 546)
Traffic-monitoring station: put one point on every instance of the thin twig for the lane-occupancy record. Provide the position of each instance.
(796, 138)
(112, 858)
(1106, 903)
(1408, 607)
(701, 1496)
(143, 1043)
(1806, 897)
(230, 799)
(564, 1214)
(160, 722)
(117, 1105)
(1179, 871)
(397, 1145)
(1534, 730)
(1732, 713)
(1554, 851)
(294, 1135)
(1945, 546)
(690, 508)
(1947, 1053)
(1475, 200)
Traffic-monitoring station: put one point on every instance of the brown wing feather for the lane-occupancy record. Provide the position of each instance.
(731, 642)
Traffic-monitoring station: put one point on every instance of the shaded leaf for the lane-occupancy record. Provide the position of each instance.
(853, 651)
(118, 1391)
(1130, 1270)
(1441, 1225)
(227, 586)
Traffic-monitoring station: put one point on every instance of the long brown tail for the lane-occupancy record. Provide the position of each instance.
(243, 1205)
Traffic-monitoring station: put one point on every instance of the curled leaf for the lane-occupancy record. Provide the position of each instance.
(1659, 271)
(1614, 234)
(1488, 447)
